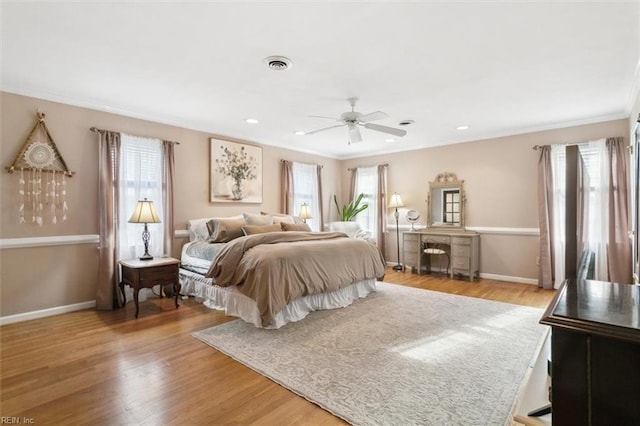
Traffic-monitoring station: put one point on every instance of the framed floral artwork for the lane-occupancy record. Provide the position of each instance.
(236, 172)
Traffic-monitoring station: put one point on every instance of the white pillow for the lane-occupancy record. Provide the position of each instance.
(296, 219)
(257, 219)
(197, 228)
(283, 219)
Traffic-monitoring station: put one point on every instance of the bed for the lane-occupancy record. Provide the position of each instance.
(271, 278)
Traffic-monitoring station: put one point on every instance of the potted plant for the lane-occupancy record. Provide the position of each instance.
(346, 214)
(349, 211)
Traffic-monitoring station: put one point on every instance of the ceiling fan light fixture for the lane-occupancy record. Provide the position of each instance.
(278, 63)
(353, 120)
(389, 140)
(462, 127)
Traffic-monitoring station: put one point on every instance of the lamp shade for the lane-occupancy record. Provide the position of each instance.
(305, 211)
(144, 213)
(396, 201)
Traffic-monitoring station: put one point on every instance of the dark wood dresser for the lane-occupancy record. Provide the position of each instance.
(595, 353)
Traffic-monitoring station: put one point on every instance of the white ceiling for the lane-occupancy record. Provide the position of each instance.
(499, 67)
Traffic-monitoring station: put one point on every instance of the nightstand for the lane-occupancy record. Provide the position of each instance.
(148, 273)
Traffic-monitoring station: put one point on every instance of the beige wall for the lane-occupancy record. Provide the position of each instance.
(43, 277)
(499, 179)
(500, 183)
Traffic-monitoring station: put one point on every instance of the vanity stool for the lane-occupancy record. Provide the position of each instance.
(434, 249)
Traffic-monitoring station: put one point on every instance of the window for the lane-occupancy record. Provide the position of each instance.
(594, 156)
(305, 190)
(140, 177)
(367, 184)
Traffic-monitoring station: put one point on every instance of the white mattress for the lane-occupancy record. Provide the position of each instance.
(234, 303)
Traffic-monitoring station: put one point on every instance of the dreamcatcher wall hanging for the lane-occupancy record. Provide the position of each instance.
(43, 172)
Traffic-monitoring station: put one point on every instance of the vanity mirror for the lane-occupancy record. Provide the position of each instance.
(445, 202)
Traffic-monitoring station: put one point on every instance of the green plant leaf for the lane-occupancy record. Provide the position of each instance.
(350, 210)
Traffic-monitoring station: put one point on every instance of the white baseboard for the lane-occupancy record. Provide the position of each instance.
(10, 319)
(520, 280)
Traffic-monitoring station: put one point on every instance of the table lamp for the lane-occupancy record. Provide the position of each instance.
(305, 212)
(145, 213)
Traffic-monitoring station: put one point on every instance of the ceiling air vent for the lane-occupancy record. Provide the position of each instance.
(278, 63)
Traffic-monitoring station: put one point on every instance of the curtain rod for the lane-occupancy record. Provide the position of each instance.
(311, 164)
(377, 165)
(96, 130)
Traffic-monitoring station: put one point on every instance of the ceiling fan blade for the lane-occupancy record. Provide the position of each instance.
(354, 134)
(373, 116)
(322, 116)
(323, 129)
(385, 129)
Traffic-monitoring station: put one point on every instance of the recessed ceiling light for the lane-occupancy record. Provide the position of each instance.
(278, 63)
(300, 133)
(390, 140)
(462, 127)
(251, 121)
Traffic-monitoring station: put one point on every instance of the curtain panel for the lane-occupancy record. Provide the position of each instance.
(619, 244)
(545, 216)
(168, 177)
(320, 209)
(352, 183)
(382, 207)
(286, 185)
(107, 294)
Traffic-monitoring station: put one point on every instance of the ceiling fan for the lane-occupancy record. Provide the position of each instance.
(353, 119)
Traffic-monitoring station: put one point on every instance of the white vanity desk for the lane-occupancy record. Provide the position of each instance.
(463, 249)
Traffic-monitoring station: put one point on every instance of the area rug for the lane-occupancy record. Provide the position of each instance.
(401, 356)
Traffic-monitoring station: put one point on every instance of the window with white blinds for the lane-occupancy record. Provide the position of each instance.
(140, 177)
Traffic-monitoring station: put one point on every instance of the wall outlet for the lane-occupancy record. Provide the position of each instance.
(538, 261)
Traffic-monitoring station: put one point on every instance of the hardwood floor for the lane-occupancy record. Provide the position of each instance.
(107, 368)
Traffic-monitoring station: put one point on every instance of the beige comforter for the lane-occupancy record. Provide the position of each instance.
(278, 267)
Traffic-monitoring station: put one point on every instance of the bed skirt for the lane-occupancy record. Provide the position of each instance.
(234, 303)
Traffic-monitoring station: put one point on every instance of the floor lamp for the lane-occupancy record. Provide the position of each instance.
(396, 201)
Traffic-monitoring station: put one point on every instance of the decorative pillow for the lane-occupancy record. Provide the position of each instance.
(224, 230)
(197, 228)
(283, 219)
(296, 219)
(261, 229)
(295, 227)
(257, 219)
